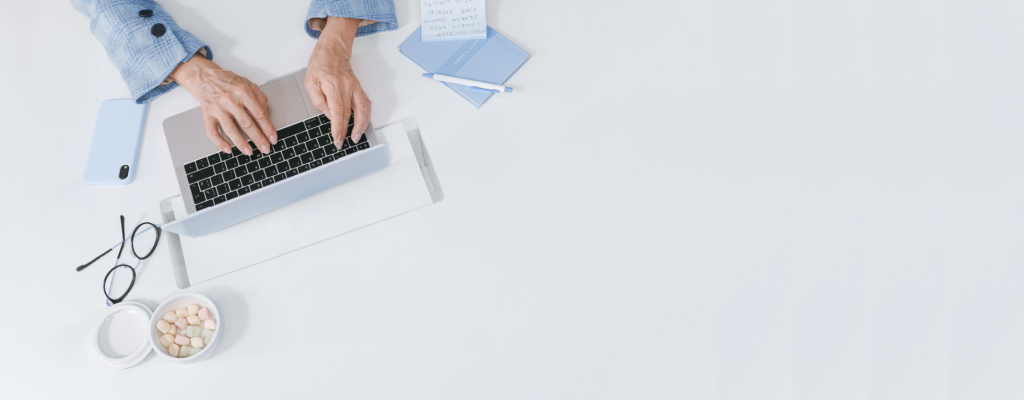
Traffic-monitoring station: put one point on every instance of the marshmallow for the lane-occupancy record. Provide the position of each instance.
(173, 349)
(193, 331)
(209, 324)
(173, 330)
(197, 342)
(195, 350)
(193, 320)
(163, 326)
(204, 314)
(166, 339)
(193, 309)
(208, 336)
(185, 351)
(170, 317)
(181, 323)
(182, 312)
(181, 340)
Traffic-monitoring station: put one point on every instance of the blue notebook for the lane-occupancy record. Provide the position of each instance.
(491, 60)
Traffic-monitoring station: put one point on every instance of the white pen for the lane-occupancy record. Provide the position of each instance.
(482, 86)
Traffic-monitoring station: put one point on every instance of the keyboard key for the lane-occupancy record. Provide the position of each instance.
(282, 166)
(232, 195)
(363, 145)
(256, 155)
(276, 158)
(243, 159)
(291, 142)
(313, 132)
(241, 171)
(259, 175)
(210, 193)
(253, 166)
(231, 163)
(319, 153)
(294, 162)
(195, 189)
(219, 199)
(350, 150)
(326, 129)
(255, 186)
(228, 175)
(190, 168)
(235, 152)
(300, 148)
(302, 137)
(216, 180)
(203, 205)
(363, 139)
(339, 155)
(292, 172)
(201, 174)
(247, 180)
(243, 191)
(330, 149)
(205, 184)
(280, 177)
(304, 168)
(327, 159)
(344, 144)
(323, 119)
(324, 140)
(213, 158)
(235, 184)
(264, 162)
(279, 145)
(202, 163)
(312, 144)
(223, 189)
(312, 122)
(271, 170)
(349, 142)
(306, 158)
(289, 153)
(268, 182)
(198, 198)
(315, 164)
(290, 131)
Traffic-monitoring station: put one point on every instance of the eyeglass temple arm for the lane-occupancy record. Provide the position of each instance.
(122, 239)
(81, 267)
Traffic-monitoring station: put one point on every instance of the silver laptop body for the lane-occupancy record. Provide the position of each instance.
(290, 109)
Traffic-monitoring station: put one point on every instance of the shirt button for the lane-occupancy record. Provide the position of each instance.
(145, 13)
(158, 30)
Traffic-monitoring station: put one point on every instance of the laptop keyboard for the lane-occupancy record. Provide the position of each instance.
(301, 147)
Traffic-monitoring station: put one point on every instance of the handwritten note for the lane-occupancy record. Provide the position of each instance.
(453, 19)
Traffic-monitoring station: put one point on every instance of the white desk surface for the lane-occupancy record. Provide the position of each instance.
(687, 199)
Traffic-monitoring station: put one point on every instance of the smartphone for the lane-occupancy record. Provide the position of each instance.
(116, 140)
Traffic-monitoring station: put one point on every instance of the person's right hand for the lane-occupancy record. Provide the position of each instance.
(226, 98)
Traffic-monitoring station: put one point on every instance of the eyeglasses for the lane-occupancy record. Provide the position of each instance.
(144, 237)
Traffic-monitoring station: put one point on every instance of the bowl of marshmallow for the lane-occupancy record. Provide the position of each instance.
(185, 328)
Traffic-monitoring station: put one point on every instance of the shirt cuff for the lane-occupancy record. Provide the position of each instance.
(377, 16)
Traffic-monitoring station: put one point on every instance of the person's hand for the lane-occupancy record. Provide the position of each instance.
(332, 85)
(227, 98)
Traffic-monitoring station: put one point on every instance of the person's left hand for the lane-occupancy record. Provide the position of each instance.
(332, 85)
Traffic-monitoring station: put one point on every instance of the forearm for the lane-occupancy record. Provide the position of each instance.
(145, 56)
(339, 33)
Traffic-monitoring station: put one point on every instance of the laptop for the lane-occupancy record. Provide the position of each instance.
(220, 190)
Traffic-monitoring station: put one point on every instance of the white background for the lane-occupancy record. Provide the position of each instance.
(727, 199)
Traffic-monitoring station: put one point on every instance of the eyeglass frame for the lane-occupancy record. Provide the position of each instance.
(117, 261)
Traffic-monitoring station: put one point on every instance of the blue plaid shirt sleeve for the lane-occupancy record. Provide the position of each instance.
(382, 11)
(143, 59)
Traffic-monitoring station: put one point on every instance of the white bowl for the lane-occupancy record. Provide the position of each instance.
(173, 303)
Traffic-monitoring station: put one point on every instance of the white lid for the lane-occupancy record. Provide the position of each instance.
(121, 339)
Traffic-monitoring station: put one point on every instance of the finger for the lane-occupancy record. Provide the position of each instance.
(214, 135)
(227, 123)
(317, 96)
(339, 109)
(249, 127)
(259, 113)
(361, 106)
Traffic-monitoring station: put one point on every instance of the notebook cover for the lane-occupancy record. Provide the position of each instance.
(492, 60)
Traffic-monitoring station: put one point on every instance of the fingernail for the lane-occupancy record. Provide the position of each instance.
(226, 150)
(273, 139)
(247, 150)
(265, 149)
